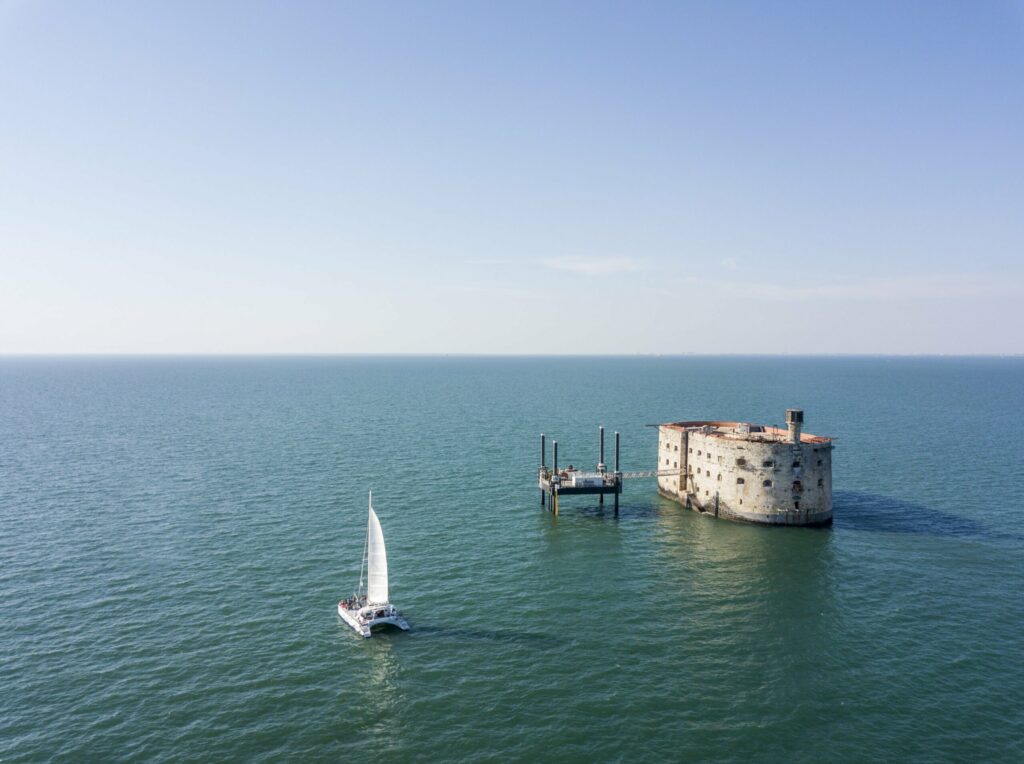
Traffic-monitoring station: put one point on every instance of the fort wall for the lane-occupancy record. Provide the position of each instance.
(748, 472)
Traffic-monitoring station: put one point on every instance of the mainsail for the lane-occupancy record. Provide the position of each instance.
(377, 562)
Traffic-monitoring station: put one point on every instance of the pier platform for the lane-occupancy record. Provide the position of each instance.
(570, 481)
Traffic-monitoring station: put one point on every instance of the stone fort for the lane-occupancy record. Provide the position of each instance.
(747, 472)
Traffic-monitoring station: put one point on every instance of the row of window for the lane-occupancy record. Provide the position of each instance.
(797, 486)
(741, 462)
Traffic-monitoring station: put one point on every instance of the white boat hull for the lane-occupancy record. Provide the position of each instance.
(364, 620)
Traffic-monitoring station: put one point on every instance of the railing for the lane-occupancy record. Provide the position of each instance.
(610, 476)
(650, 474)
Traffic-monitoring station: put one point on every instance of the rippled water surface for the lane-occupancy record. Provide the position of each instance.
(175, 535)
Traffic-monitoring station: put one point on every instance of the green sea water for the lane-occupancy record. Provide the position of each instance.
(175, 534)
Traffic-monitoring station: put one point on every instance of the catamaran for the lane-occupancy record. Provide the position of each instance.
(369, 608)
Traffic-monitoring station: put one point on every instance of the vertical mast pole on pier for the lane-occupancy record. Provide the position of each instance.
(555, 479)
(542, 457)
(618, 474)
(600, 461)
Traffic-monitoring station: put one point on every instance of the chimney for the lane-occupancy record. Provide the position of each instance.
(795, 420)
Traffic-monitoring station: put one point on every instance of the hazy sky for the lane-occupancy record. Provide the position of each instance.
(734, 177)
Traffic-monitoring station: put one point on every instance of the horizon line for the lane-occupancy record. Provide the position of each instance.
(236, 354)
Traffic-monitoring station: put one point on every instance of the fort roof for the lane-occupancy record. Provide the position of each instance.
(744, 431)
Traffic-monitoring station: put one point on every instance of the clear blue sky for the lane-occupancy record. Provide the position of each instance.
(512, 178)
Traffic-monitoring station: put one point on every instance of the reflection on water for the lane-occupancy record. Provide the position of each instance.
(748, 588)
(632, 510)
(376, 677)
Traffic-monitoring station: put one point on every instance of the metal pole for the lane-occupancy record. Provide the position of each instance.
(618, 475)
(555, 480)
(600, 461)
(543, 455)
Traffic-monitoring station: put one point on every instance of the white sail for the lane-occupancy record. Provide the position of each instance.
(377, 562)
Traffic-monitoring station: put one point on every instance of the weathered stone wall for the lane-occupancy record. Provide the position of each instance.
(671, 455)
(757, 481)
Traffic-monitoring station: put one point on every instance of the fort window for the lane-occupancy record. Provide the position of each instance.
(797, 486)
(741, 462)
(675, 464)
(767, 484)
(691, 450)
(708, 473)
(796, 465)
(698, 453)
(796, 505)
(768, 463)
(666, 462)
(740, 481)
(819, 462)
(821, 482)
(719, 477)
(677, 448)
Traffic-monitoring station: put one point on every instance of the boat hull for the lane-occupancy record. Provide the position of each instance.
(364, 627)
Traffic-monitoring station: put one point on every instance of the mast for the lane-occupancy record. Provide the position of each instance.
(366, 544)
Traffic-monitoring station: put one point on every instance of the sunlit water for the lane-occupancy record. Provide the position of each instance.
(175, 535)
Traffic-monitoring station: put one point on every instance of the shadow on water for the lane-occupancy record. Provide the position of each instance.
(862, 511)
(627, 512)
(506, 636)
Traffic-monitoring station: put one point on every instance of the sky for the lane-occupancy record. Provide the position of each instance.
(520, 177)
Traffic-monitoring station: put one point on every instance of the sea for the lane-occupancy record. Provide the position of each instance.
(176, 533)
